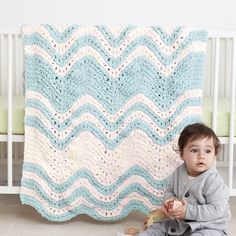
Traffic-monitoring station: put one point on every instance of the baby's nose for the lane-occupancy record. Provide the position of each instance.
(201, 155)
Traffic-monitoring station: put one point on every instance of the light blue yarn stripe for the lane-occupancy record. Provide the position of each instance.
(82, 209)
(116, 41)
(111, 126)
(87, 174)
(105, 89)
(89, 40)
(138, 124)
(84, 192)
(111, 39)
(141, 63)
(65, 35)
(60, 37)
(194, 35)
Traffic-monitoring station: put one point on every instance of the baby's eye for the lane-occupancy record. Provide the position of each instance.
(194, 150)
(208, 151)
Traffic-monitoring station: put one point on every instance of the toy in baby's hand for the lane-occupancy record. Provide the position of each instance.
(174, 204)
(154, 216)
(159, 214)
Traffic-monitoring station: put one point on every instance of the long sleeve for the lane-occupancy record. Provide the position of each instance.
(169, 192)
(216, 195)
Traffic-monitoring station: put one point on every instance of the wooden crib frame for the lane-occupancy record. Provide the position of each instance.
(215, 37)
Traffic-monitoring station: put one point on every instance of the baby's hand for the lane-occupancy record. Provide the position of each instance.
(168, 202)
(178, 211)
(167, 205)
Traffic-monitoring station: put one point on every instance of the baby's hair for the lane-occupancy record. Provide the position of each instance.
(197, 131)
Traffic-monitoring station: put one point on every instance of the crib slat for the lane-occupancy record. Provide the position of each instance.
(232, 116)
(215, 83)
(9, 124)
(227, 65)
(1, 63)
(16, 66)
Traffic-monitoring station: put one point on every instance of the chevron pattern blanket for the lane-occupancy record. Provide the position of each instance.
(104, 107)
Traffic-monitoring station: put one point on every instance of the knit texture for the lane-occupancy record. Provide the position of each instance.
(103, 110)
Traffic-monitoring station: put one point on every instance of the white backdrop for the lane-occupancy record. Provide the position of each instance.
(210, 14)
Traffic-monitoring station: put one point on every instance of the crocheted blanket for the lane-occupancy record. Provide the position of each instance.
(103, 109)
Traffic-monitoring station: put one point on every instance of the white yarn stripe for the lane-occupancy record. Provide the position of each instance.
(83, 201)
(139, 98)
(62, 48)
(93, 191)
(60, 29)
(111, 135)
(110, 164)
(113, 72)
(169, 30)
(116, 31)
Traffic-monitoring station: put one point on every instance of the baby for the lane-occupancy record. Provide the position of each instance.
(196, 197)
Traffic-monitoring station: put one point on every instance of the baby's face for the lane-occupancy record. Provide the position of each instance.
(199, 155)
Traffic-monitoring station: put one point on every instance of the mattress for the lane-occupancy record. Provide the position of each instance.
(18, 114)
(223, 115)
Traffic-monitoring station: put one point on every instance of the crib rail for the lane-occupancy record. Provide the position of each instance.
(232, 116)
(10, 41)
(216, 40)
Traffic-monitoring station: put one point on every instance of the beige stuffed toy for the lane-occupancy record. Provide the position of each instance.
(159, 214)
(153, 217)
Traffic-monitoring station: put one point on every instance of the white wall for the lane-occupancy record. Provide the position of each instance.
(210, 14)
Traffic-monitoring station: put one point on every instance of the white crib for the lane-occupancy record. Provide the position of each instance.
(219, 94)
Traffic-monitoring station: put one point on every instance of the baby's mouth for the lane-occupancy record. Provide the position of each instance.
(200, 164)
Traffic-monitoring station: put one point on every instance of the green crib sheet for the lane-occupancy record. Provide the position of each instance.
(18, 114)
(223, 115)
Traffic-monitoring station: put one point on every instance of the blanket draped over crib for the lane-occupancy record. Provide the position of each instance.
(103, 109)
